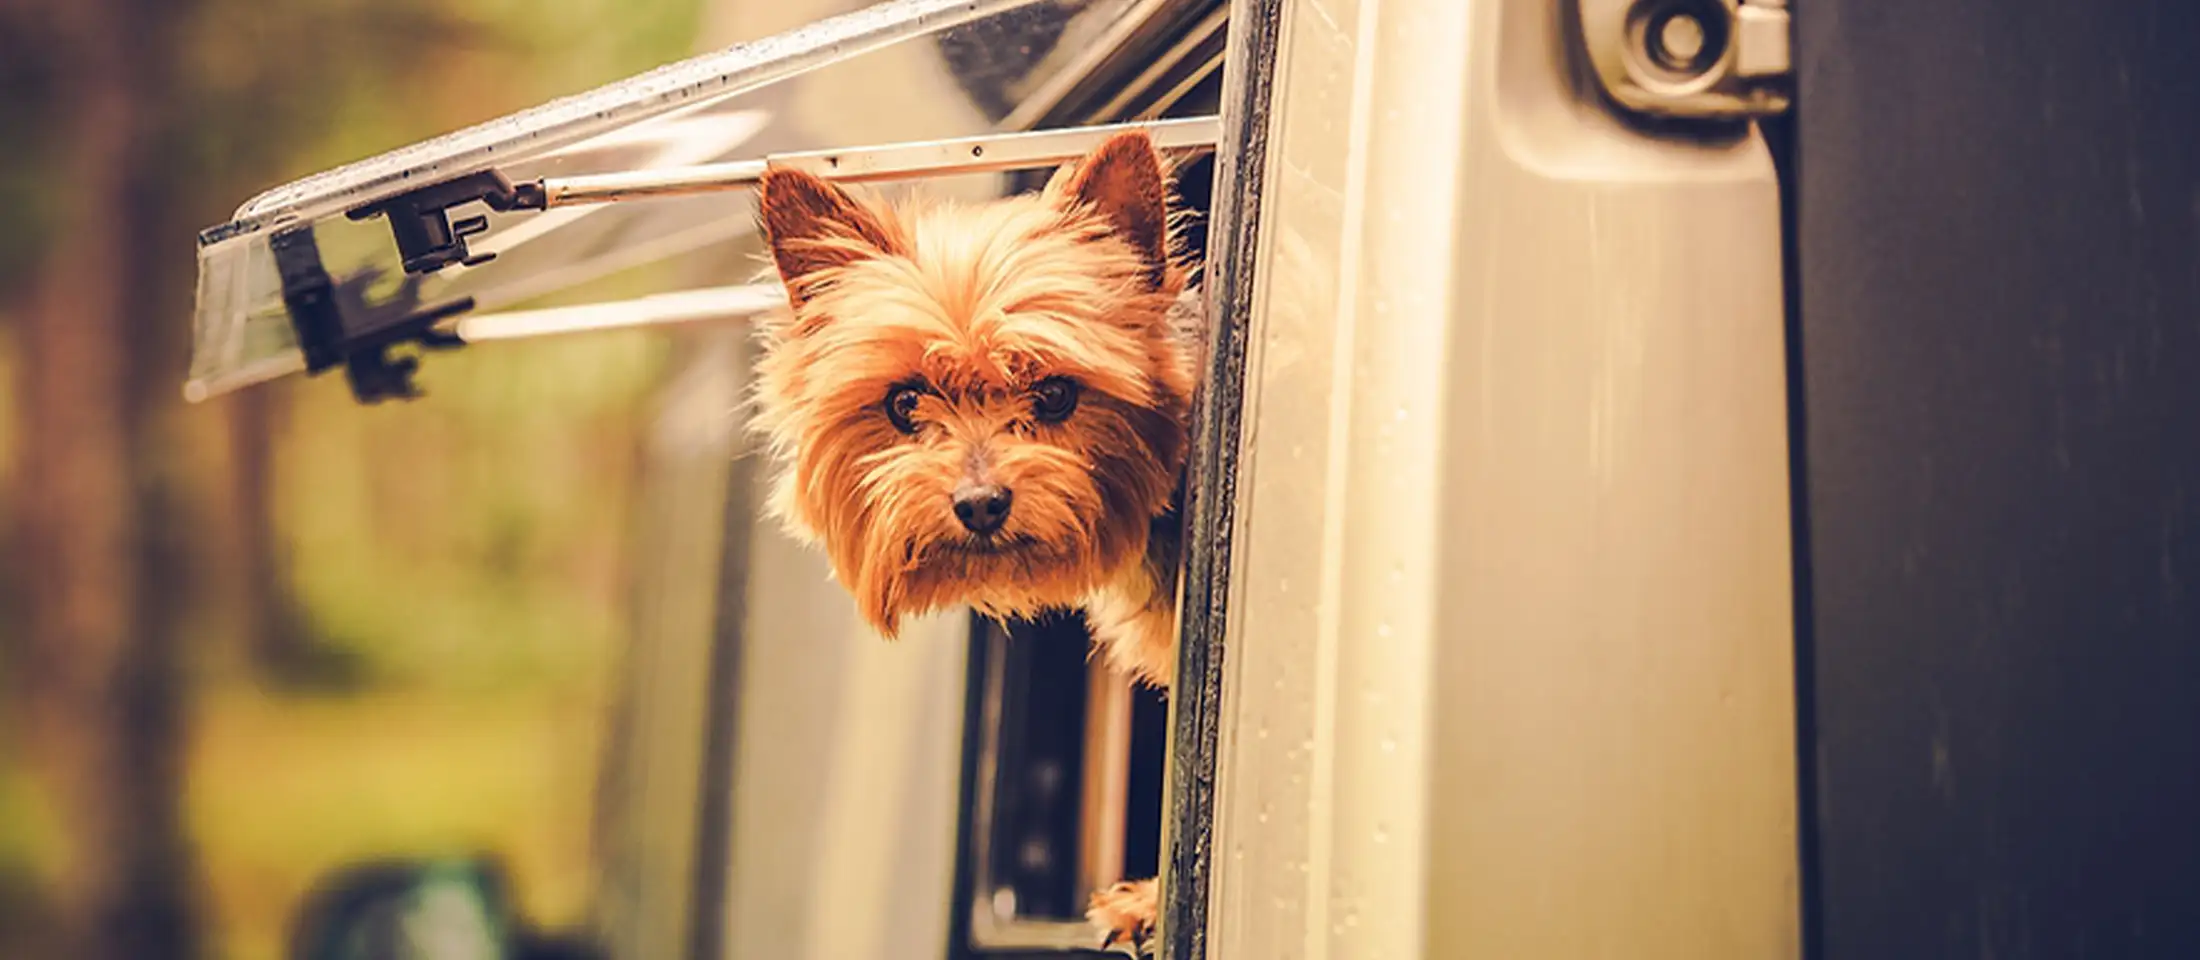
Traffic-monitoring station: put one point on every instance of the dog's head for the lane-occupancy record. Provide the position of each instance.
(977, 404)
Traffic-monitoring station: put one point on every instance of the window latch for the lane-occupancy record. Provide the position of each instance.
(420, 220)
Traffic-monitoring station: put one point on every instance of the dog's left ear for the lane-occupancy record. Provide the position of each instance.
(1122, 180)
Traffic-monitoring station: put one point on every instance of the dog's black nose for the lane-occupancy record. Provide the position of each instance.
(982, 507)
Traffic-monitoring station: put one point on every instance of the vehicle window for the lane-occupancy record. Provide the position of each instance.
(775, 780)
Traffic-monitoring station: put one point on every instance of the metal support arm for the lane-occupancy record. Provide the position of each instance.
(901, 161)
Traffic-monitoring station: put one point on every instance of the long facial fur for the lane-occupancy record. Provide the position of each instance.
(977, 302)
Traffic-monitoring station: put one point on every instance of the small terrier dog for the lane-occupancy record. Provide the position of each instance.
(988, 405)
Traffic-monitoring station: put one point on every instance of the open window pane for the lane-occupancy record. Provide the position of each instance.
(726, 808)
(850, 79)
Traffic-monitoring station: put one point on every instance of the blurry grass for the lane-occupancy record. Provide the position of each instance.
(471, 552)
(28, 840)
(284, 791)
(476, 539)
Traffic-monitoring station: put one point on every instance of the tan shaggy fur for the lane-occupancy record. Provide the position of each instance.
(962, 311)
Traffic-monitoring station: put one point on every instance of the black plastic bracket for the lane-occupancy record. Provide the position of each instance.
(337, 325)
(420, 220)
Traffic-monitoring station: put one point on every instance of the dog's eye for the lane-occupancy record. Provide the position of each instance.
(901, 406)
(1054, 399)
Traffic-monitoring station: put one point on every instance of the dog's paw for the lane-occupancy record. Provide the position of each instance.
(1125, 914)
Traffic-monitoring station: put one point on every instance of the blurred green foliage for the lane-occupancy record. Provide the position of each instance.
(467, 556)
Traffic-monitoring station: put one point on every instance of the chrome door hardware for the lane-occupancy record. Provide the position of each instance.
(1706, 59)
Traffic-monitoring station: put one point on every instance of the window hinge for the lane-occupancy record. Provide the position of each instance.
(1699, 59)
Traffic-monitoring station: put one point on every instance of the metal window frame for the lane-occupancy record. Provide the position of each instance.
(1211, 483)
(1185, 40)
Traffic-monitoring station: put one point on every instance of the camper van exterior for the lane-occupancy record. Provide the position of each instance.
(1490, 355)
(1514, 579)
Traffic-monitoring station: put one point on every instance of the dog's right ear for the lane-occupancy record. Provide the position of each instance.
(814, 226)
(1123, 181)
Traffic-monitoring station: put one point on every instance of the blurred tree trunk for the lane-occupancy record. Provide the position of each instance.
(98, 689)
(276, 635)
(274, 632)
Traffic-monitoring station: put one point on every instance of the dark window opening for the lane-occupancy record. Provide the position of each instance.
(1066, 796)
